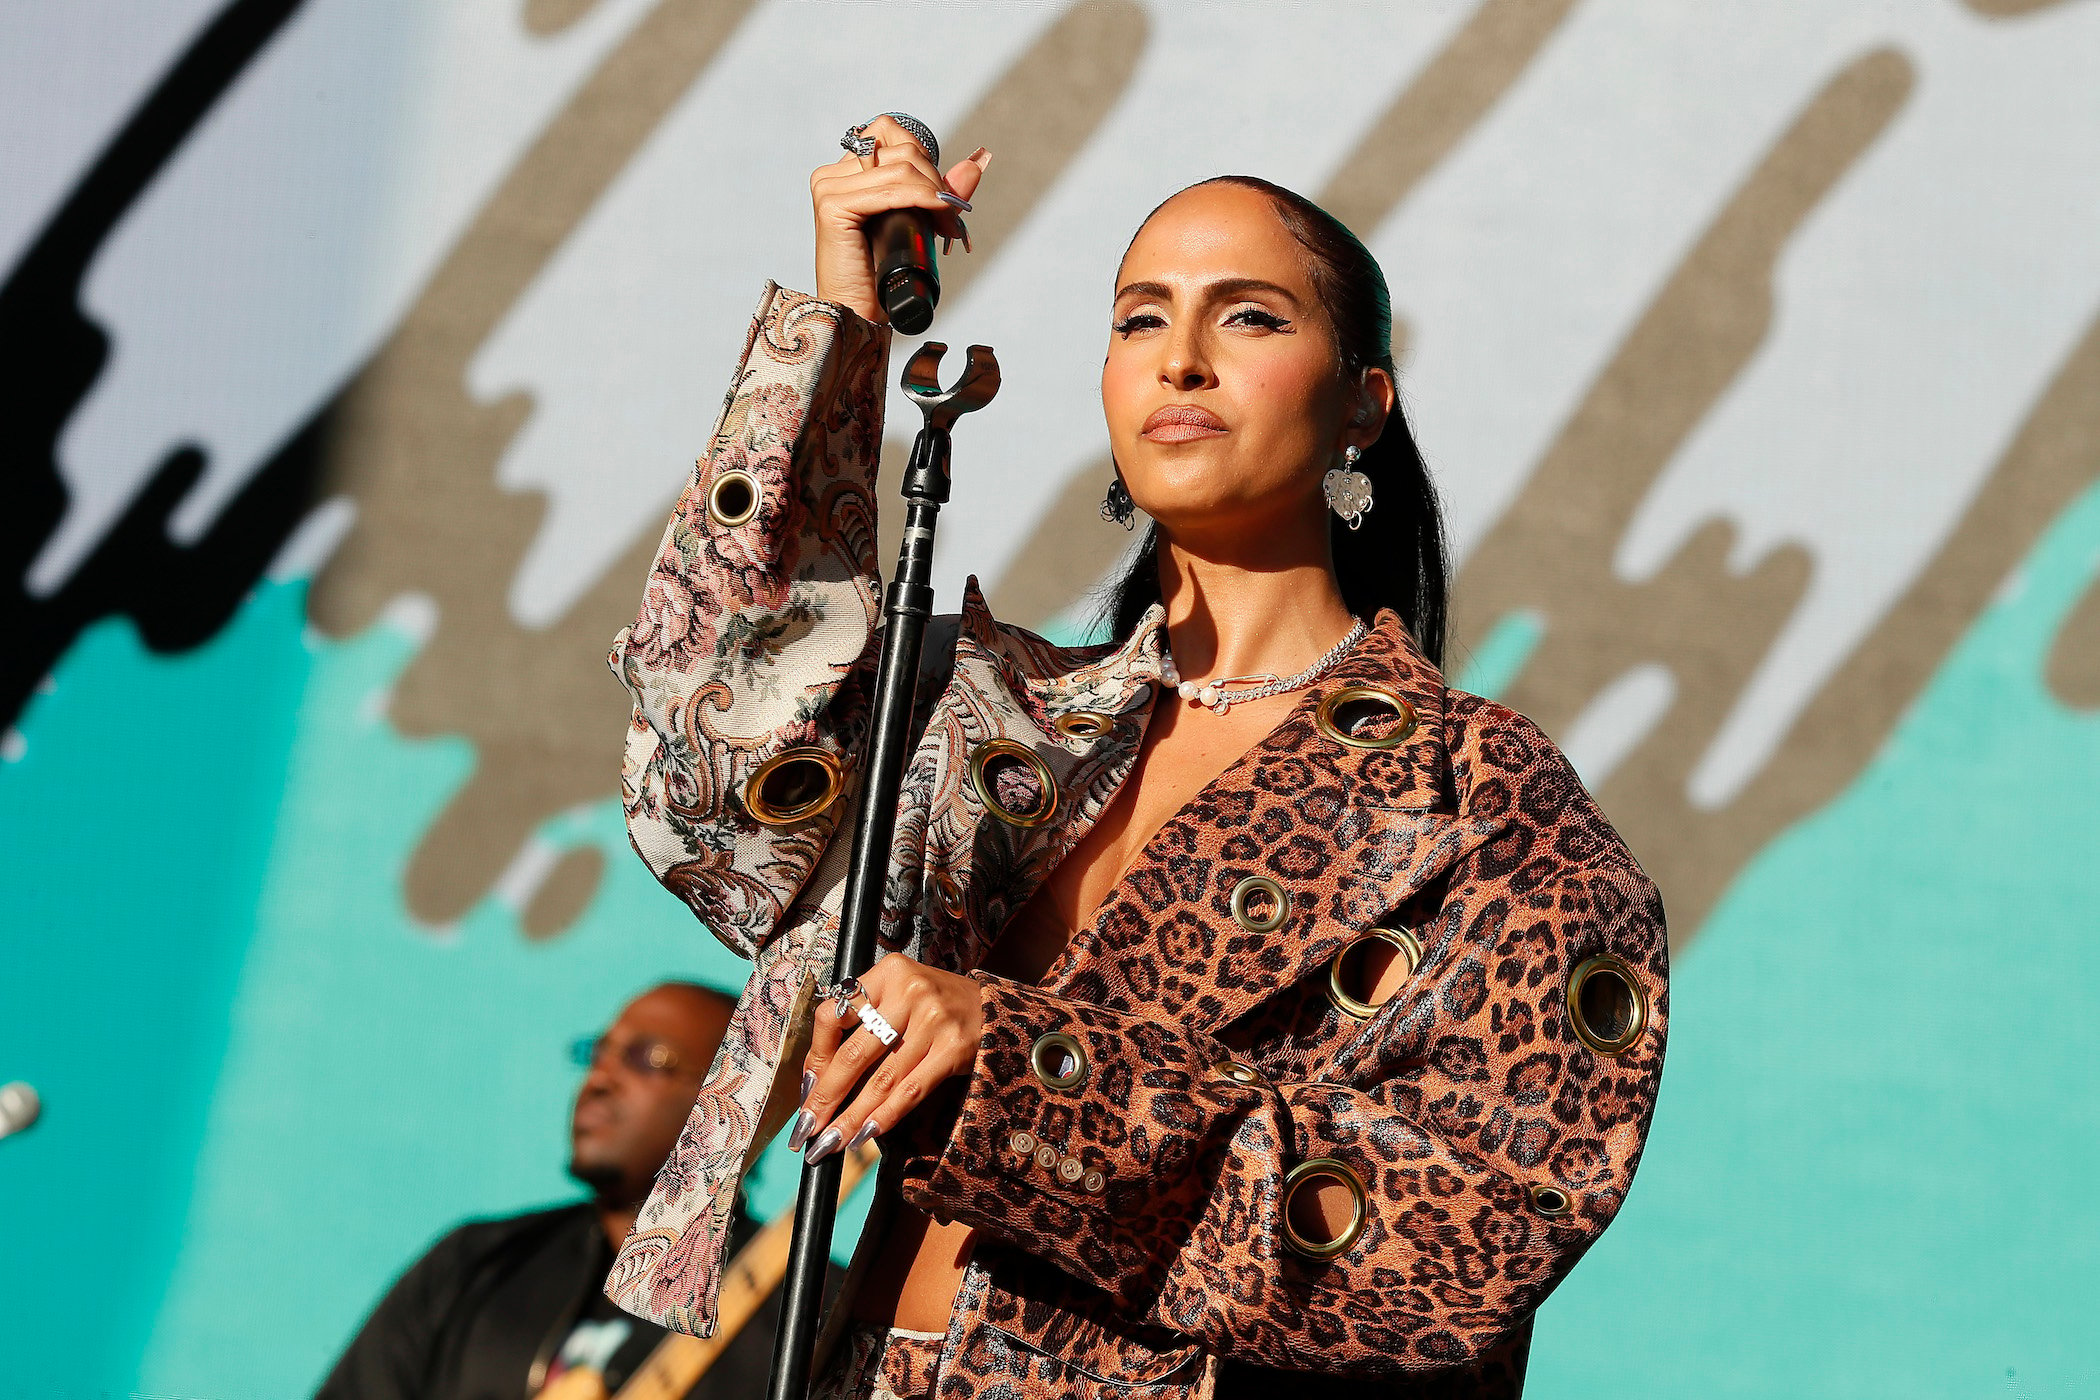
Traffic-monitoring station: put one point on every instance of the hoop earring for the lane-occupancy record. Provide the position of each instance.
(1348, 490)
(1117, 506)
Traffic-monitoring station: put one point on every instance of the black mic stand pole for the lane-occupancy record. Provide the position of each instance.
(906, 607)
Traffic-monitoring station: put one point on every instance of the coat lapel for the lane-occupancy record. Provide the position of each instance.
(1012, 685)
(1350, 834)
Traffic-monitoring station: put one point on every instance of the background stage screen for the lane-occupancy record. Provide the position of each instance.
(358, 347)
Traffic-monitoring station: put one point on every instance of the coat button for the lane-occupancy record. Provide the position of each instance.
(949, 893)
(1045, 1156)
(1023, 1143)
(1069, 1170)
(1092, 1181)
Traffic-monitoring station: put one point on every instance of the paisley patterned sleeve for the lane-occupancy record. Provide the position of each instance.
(1142, 1158)
(750, 660)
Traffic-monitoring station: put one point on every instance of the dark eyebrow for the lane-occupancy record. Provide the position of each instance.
(1225, 289)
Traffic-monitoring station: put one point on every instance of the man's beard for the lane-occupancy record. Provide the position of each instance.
(604, 1179)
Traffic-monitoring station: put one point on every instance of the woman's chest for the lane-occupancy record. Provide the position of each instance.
(1181, 754)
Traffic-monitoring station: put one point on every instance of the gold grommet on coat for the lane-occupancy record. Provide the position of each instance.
(1607, 1004)
(1083, 724)
(1243, 895)
(1410, 949)
(1550, 1200)
(948, 892)
(1059, 1061)
(793, 785)
(1346, 710)
(733, 499)
(983, 784)
(1317, 1169)
(1070, 1170)
(1237, 1072)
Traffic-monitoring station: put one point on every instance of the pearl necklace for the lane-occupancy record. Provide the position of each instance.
(1212, 693)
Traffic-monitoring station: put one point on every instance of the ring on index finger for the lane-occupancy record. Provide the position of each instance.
(863, 145)
(843, 993)
(857, 140)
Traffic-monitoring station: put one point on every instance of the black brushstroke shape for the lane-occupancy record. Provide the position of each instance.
(179, 597)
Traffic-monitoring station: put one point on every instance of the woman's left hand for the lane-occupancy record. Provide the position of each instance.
(939, 1018)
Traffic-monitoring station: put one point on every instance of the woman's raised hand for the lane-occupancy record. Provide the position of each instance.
(850, 191)
(939, 1017)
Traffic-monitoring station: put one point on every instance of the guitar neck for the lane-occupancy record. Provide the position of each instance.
(679, 1361)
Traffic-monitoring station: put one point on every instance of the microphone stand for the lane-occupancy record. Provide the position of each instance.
(906, 607)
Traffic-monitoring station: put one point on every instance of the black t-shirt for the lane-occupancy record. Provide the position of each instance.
(497, 1303)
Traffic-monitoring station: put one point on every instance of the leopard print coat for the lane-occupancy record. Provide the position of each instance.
(1131, 1143)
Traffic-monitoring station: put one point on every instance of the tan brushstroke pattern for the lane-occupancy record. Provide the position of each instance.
(2010, 9)
(1072, 549)
(1552, 551)
(543, 18)
(2052, 459)
(2073, 672)
(419, 455)
(564, 894)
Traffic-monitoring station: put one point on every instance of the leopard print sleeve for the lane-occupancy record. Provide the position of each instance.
(1471, 1167)
(749, 661)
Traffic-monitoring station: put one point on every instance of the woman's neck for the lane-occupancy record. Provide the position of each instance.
(1275, 609)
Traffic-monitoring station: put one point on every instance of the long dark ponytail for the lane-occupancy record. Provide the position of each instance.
(1396, 559)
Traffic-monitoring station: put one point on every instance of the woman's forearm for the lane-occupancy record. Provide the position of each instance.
(754, 634)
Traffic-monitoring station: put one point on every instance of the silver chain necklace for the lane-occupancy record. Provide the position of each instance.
(1266, 683)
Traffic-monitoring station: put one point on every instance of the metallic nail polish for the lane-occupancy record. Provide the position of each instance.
(809, 1082)
(827, 1142)
(804, 1121)
(867, 1130)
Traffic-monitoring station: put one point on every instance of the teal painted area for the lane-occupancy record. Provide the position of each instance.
(384, 1080)
(268, 1087)
(134, 834)
(1871, 1170)
(1502, 653)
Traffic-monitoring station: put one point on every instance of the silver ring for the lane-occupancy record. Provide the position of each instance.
(862, 145)
(878, 1027)
(841, 992)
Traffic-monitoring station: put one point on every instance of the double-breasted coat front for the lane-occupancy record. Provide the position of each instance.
(1130, 1139)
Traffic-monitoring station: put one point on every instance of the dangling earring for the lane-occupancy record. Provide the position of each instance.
(1348, 490)
(1118, 506)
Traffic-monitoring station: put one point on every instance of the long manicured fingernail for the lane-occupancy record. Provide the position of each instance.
(959, 202)
(981, 157)
(809, 1082)
(867, 1130)
(804, 1121)
(827, 1142)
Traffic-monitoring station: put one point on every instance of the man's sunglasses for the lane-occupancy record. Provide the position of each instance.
(641, 1056)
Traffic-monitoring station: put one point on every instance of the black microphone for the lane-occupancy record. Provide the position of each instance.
(900, 242)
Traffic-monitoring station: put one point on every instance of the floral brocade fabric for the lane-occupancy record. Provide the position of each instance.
(1123, 1142)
